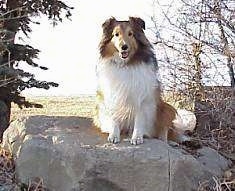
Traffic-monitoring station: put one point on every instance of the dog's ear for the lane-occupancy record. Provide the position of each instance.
(136, 21)
(109, 23)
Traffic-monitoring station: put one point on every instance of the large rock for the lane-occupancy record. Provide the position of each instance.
(70, 155)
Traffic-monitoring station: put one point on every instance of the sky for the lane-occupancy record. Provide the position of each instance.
(70, 50)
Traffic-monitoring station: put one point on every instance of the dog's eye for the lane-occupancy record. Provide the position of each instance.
(117, 34)
(130, 33)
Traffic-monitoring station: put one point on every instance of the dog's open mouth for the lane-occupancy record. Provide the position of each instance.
(124, 54)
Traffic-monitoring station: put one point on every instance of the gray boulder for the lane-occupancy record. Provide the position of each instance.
(70, 155)
(9, 188)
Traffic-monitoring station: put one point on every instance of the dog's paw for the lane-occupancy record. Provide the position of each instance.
(136, 140)
(113, 138)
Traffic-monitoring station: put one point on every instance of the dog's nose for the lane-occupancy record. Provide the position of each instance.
(124, 47)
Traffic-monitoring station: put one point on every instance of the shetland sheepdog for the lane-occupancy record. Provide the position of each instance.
(129, 91)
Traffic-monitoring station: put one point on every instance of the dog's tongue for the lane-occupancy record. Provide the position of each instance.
(124, 54)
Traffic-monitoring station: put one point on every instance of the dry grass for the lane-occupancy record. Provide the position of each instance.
(7, 176)
(218, 184)
(82, 106)
(215, 129)
(222, 140)
(7, 170)
(34, 185)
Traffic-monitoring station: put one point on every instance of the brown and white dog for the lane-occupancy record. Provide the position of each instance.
(129, 92)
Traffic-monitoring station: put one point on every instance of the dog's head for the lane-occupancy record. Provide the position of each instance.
(124, 38)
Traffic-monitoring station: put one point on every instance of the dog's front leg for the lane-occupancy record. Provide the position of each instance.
(139, 125)
(114, 133)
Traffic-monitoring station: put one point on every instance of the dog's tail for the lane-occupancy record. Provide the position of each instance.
(185, 121)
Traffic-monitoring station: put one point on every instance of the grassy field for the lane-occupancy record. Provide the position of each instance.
(82, 106)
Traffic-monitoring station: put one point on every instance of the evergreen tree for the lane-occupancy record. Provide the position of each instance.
(15, 16)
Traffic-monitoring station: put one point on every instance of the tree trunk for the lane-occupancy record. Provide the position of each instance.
(199, 90)
(5, 111)
(11, 27)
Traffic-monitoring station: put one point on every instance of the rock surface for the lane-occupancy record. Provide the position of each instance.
(69, 154)
(9, 188)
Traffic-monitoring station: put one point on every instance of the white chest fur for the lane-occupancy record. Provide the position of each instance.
(127, 90)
